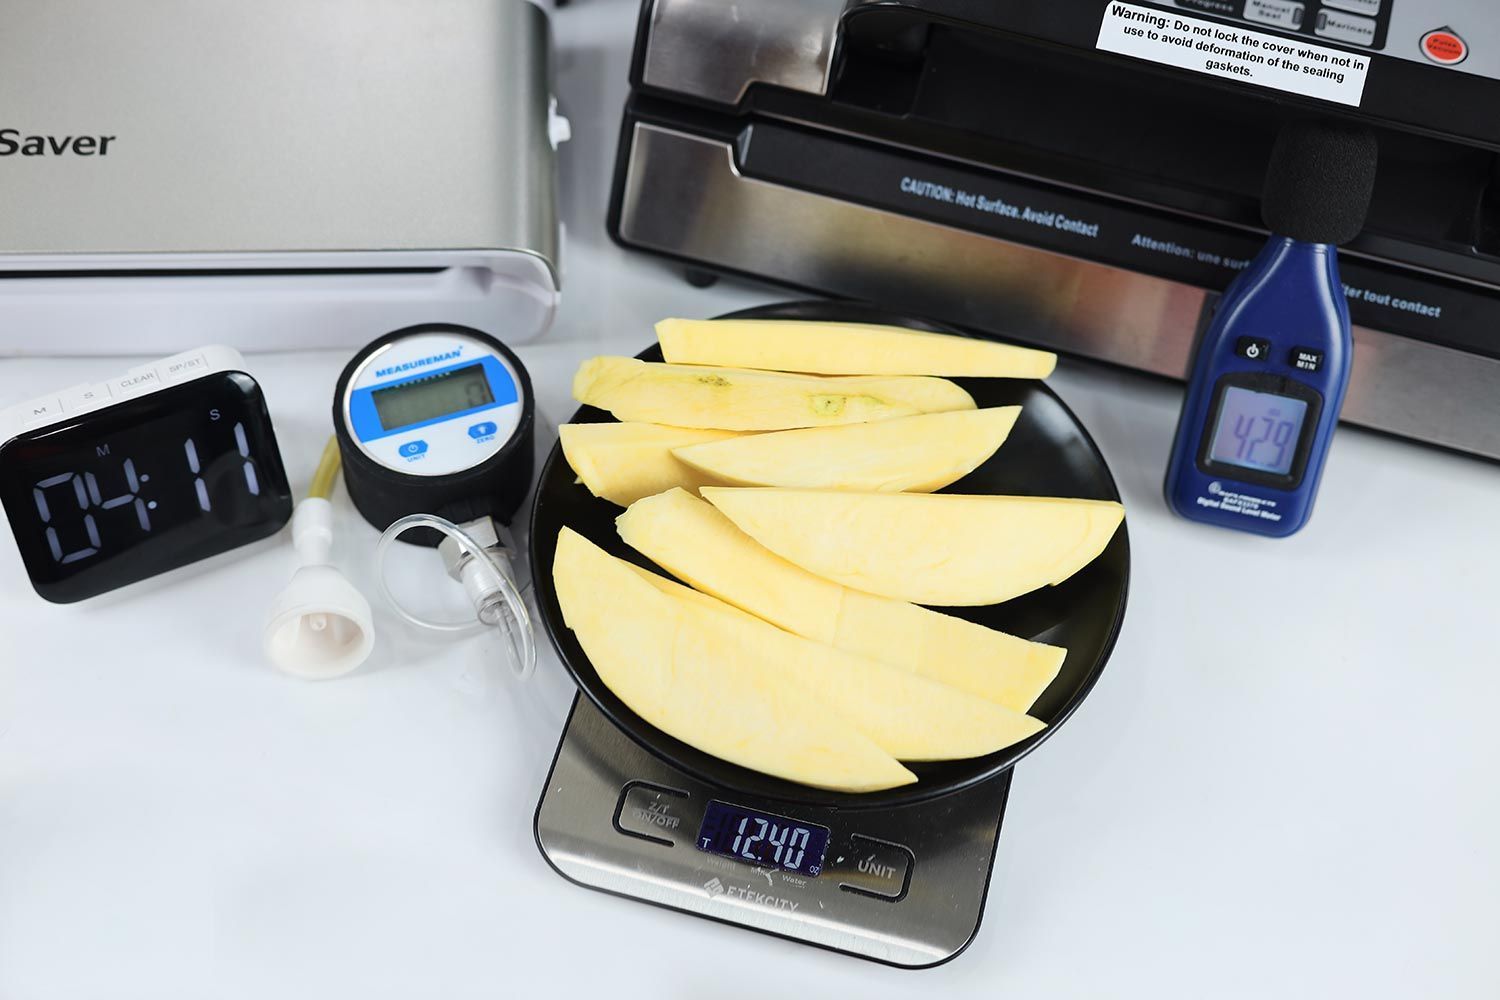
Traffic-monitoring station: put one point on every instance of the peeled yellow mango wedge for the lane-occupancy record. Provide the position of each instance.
(927, 548)
(843, 349)
(695, 542)
(909, 717)
(727, 399)
(918, 454)
(677, 675)
(624, 462)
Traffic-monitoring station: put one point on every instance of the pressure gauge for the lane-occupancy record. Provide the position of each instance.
(435, 419)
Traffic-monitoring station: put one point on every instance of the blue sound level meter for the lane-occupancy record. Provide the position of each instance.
(1264, 394)
(1268, 379)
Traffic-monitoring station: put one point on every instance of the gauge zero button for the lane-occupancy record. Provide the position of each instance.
(1252, 349)
(1305, 359)
(484, 430)
(652, 813)
(876, 868)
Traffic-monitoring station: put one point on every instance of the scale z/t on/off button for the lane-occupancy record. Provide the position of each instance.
(875, 868)
(652, 813)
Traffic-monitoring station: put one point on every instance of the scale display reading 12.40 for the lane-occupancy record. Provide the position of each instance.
(763, 839)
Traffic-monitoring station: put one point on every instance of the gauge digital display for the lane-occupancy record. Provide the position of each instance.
(144, 486)
(763, 839)
(420, 400)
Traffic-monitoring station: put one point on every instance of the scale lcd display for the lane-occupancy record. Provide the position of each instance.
(763, 839)
(144, 486)
(425, 399)
(1258, 430)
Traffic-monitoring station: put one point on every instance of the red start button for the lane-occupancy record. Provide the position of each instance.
(1444, 46)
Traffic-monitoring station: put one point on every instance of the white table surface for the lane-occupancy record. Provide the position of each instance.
(1284, 784)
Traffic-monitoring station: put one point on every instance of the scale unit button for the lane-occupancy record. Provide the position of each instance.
(875, 868)
(652, 813)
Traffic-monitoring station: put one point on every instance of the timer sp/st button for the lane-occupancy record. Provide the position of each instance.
(875, 868)
(1252, 349)
(652, 813)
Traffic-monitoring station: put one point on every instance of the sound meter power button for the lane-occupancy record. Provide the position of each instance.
(1252, 349)
(1444, 46)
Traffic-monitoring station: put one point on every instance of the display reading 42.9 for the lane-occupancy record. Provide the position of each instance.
(763, 839)
(144, 486)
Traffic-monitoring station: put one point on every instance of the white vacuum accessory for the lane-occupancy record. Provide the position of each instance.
(320, 626)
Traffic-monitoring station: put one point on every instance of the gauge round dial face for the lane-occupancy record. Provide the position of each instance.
(433, 404)
(126, 492)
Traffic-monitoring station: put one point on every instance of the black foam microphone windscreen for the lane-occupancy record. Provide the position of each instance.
(1319, 181)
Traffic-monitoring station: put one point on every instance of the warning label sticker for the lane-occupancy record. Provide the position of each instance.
(1234, 53)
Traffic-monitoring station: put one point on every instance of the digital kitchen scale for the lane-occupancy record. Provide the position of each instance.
(898, 876)
(904, 884)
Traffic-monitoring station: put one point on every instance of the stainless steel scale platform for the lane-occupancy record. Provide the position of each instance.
(903, 885)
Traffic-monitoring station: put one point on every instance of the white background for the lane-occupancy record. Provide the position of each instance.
(1284, 784)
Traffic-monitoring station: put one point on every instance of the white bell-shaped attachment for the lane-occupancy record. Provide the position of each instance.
(320, 626)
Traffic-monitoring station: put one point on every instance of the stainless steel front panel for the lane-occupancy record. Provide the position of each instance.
(949, 845)
(684, 195)
(278, 125)
(715, 49)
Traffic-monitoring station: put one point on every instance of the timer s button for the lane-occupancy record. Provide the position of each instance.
(1252, 349)
(875, 868)
(85, 397)
(651, 812)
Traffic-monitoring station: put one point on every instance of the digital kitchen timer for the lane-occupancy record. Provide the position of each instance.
(111, 483)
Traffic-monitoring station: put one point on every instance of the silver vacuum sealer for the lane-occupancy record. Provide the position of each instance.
(1080, 174)
(282, 174)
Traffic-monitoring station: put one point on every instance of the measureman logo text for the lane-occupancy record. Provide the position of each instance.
(431, 359)
(14, 142)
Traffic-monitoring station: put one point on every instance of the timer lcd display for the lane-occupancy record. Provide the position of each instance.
(1258, 430)
(144, 486)
(763, 839)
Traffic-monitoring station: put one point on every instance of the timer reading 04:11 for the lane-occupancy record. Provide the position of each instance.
(763, 839)
(147, 485)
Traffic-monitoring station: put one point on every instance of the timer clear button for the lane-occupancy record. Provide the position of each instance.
(653, 813)
(876, 868)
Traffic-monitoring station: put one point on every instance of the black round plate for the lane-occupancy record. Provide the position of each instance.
(1048, 454)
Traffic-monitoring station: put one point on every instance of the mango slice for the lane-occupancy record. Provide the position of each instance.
(676, 674)
(695, 542)
(927, 548)
(918, 454)
(624, 462)
(843, 349)
(909, 717)
(727, 399)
